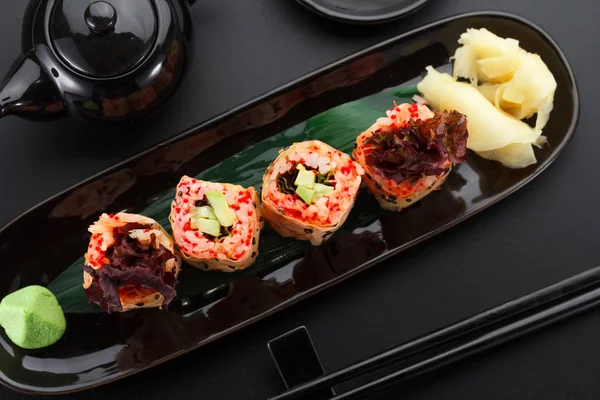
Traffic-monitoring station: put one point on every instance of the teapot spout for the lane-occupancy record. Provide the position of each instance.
(28, 93)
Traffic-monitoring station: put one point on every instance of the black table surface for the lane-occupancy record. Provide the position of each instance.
(547, 231)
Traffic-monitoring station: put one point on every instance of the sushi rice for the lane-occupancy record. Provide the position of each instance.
(231, 253)
(289, 215)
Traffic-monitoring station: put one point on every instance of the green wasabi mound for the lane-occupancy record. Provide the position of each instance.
(32, 317)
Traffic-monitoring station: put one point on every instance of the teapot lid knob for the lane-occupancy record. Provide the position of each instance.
(100, 16)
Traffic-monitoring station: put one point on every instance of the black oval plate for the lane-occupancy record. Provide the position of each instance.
(39, 246)
(364, 12)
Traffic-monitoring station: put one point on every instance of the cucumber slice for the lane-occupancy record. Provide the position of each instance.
(209, 226)
(305, 194)
(323, 189)
(305, 178)
(219, 204)
(206, 212)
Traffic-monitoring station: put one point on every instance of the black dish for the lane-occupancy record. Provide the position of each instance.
(363, 12)
(210, 306)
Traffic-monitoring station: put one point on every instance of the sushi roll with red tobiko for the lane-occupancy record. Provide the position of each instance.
(216, 225)
(410, 153)
(131, 263)
(309, 190)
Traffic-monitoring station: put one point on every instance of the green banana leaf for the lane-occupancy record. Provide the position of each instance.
(338, 127)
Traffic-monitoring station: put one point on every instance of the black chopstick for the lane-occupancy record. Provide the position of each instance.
(530, 312)
(483, 342)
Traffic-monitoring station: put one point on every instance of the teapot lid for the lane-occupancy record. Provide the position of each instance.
(103, 39)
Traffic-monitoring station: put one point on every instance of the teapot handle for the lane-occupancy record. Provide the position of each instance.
(28, 93)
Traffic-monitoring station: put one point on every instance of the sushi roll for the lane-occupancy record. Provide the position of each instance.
(309, 190)
(131, 263)
(410, 153)
(216, 225)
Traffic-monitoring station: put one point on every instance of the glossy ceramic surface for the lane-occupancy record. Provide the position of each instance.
(74, 65)
(101, 39)
(363, 12)
(99, 348)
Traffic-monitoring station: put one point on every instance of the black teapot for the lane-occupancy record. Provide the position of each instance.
(107, 60)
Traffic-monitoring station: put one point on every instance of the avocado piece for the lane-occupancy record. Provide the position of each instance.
(32, 317)
(219, 204)
(305, 194)
(323, 189)
(210, 226)
(300, 167)
(199, 213)
(305, 178)
(206, 212)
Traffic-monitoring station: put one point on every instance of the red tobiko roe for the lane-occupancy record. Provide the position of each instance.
(244, 197)
(292, 212)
